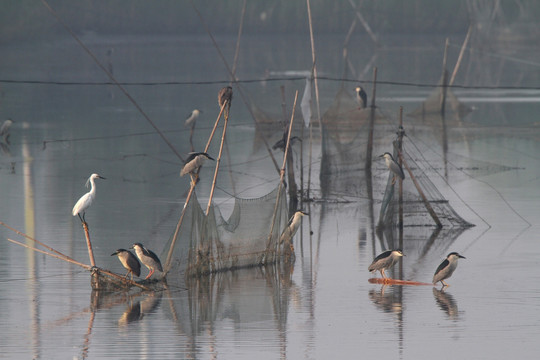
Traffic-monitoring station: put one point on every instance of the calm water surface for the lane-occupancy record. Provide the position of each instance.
(323, 307)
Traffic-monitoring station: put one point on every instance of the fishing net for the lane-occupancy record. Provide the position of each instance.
(344, 139)
(209, 244)
(423, 203)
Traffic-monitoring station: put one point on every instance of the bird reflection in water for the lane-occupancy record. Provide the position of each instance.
(446, 303)
(131, 314)
(390, 302)
(137, 310)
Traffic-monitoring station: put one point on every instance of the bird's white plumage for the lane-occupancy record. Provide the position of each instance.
(86, 200)
(190, 121)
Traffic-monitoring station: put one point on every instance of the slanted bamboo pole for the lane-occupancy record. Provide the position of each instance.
(460, 57)
(167, 266)
(400, 149)
(75, 262)
(218, 160)
(282, 172)
(369, 150)
(422, 195)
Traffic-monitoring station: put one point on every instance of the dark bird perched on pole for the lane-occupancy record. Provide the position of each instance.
(394, 167)
(446, 268)
(194, 161)
(385, 260)
(361, 96)
(129, 261)
(148, 258)
(225, 97)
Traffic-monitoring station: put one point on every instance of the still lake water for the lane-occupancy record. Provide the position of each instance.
(323, 307)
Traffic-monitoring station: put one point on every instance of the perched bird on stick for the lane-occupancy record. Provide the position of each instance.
(86, 200)
(385, 260)
(225, 96)
(361, 96)
(129, 261)
(394, 167)
(193, 162)
(446, 268)
(148, 258)
(4, 130)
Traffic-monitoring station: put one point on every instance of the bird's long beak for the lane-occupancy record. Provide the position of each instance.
(101, 177)
(461, 256)
(211, 158)
(115, 253)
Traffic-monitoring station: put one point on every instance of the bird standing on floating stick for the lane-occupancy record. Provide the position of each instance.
(148, 258)
(129, 261)
(385, 260)
(86, 200)
(394, 167)
(194, 161)
(446, 268)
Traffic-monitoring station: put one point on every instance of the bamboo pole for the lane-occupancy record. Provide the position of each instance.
(89, 244)
(167, 266)
(369, 150)
(460, 57)
(218, 160)
(84, 266)
(400, 149)
(282, 172)
(422, 195)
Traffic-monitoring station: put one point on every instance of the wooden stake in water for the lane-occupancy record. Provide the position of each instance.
(89, 244)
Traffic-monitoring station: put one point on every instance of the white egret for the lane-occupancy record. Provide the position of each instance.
(86, 200)
(192, 118)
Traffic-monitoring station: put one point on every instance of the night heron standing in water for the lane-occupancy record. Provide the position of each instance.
(148, 258)
(394, 167)
(193, 162)
(192, 118)
(361, 96)
(129, 261)
(292, 227)
(385, 260)
(86, 200)
(446, 268)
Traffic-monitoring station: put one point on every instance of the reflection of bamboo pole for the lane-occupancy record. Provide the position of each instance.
(89, 244)
(422, 195)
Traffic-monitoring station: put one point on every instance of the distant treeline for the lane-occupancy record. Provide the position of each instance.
(29, 19)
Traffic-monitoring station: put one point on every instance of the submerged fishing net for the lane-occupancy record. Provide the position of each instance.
(208, 244)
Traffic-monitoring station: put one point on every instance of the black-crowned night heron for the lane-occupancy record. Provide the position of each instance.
(193, 162)
(148, 258)
(361, 96)
(129, 261)
(394, 167)
(192, 118)
(225, 96)
(86, 200)
(446, 268)
(292, 227)
(385, 260)
(282, 143)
